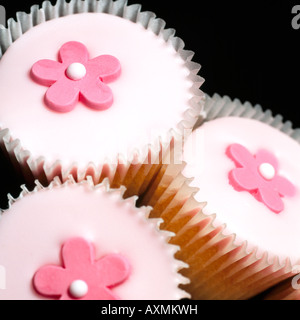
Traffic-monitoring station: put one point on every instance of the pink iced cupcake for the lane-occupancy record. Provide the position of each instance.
(94, 86)
(238, 197)
(75, 241)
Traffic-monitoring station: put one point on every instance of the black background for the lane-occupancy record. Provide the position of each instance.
(247, 49)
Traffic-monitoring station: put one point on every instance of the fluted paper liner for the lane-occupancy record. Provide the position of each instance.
(135, 176)
(284, 290)
(219, 268)
(118, 195)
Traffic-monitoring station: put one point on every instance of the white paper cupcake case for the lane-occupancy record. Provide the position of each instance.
(118, 196)
(218, 107)
(117, 170)
(219, 268)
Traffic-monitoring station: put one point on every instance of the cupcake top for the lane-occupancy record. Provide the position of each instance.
(86, 87)
(248, 175)
(78, 241)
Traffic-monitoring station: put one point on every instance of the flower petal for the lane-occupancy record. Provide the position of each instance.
(243, 179)
(77, 255)
(96, 94)
(73, 51)
(271, 199)
(62, 96)
(46, 72)
(264, 156)
(284, 186)
(100, 293)
(106, 67)
(51, 281)
(112, 269)
(240, 155)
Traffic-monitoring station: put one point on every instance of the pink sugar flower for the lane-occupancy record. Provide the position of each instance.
(259, 175)
(75, 77)
(81, 276)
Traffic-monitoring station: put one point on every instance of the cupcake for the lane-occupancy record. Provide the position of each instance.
(238, 196)
(75, 241)
(97, 87)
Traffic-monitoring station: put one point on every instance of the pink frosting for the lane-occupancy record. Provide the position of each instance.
(150, 97)
(35, 229)
(250, 220)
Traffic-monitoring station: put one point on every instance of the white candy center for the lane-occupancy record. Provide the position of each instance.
(267, 171)
(78, 288)
(76, 71)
